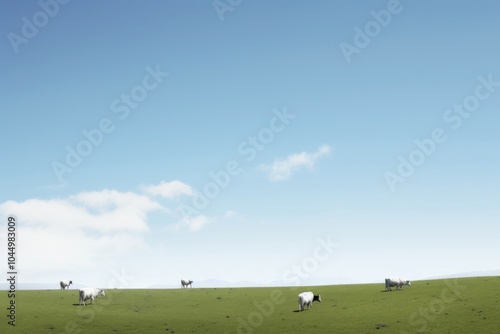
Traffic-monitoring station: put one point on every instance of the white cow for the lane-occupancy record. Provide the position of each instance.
(397, 282)
(65, 284)
(90, 293)
(186, 283)
(306, 299)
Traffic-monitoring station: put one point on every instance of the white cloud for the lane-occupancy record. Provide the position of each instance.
(104, 211)
(87, 232)
(168, 189)
(85, 236)
(195, 223)
(283, 169)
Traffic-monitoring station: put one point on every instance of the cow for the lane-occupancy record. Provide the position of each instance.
(397, 282)
(65, 284)
(186, 283)
(89, 293)
(306, 299)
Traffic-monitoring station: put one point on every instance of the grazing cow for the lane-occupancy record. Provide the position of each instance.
(306, 299)
(186, 283)
(65, 284)
(397, 282)
(90, 293)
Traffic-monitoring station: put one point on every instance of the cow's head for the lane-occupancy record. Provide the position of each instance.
(70, 282)
(408, 283)
(102, 293)
(317, 298)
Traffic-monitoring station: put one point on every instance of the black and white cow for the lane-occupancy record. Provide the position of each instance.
(65, 284)
(306, 299)
(89, 293)
(395, 282)
(186, 283)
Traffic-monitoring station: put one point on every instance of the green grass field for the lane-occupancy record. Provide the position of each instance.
(466, 305)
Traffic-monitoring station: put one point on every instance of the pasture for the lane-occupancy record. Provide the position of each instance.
(464, 305)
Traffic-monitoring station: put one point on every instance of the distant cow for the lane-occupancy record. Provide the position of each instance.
(186, 283)
(306, 299)
(65, 284)
(397, 282)
(90, 293)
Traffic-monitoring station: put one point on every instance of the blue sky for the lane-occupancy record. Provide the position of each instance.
(312, 144)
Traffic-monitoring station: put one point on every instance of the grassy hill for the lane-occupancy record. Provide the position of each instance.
(464, 305)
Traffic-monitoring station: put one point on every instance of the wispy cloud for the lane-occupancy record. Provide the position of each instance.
(168, 189)
(171, 190)
(195, 223)
(283, 169)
